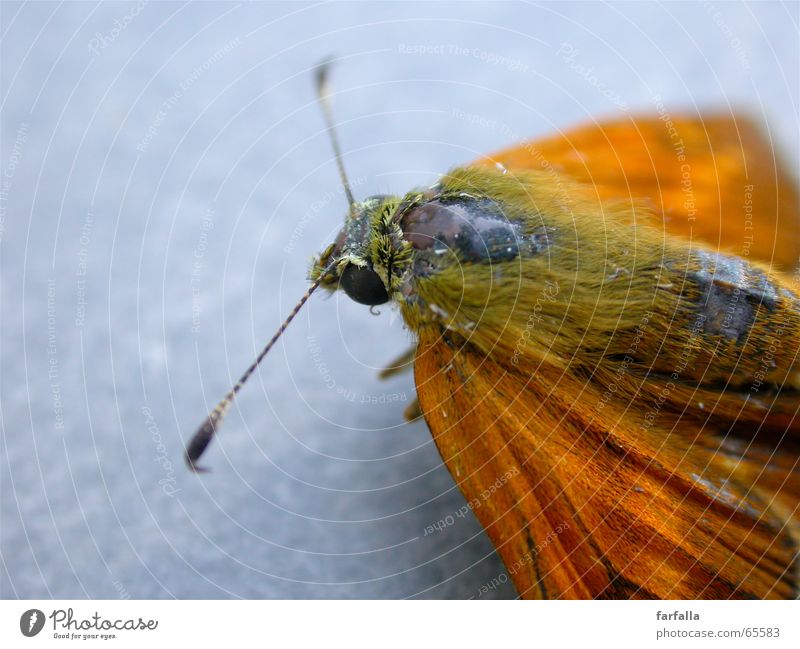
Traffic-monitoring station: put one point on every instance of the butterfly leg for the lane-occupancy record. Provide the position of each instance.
(401, 364)
(413, 411)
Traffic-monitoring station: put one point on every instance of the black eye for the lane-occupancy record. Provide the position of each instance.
(363, 285)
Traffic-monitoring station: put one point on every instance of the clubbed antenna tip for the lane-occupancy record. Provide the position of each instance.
(200, 440)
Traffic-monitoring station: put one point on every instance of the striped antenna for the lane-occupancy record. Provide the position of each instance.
(202, 438)
(206, 432)
(324, 97)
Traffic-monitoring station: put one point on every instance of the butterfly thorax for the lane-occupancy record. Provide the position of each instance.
(404, 241)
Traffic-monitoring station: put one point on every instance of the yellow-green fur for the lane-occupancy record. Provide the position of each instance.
(609, 291)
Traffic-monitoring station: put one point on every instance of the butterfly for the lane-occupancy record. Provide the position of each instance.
(607, 332)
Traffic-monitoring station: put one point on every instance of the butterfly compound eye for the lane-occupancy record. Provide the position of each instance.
(363, 285)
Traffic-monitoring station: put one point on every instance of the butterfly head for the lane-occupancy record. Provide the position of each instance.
(369, 258)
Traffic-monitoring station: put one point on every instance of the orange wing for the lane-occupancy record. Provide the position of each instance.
(715, 178)
(576, 512)
(579, 507)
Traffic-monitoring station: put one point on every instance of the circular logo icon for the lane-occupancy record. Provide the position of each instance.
(31, 622)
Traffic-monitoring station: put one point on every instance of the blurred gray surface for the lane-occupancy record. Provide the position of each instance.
(166, 178)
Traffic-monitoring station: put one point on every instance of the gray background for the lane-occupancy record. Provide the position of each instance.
(117, 143)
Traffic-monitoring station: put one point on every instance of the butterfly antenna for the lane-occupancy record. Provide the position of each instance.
(324, 97)
(209, 427)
